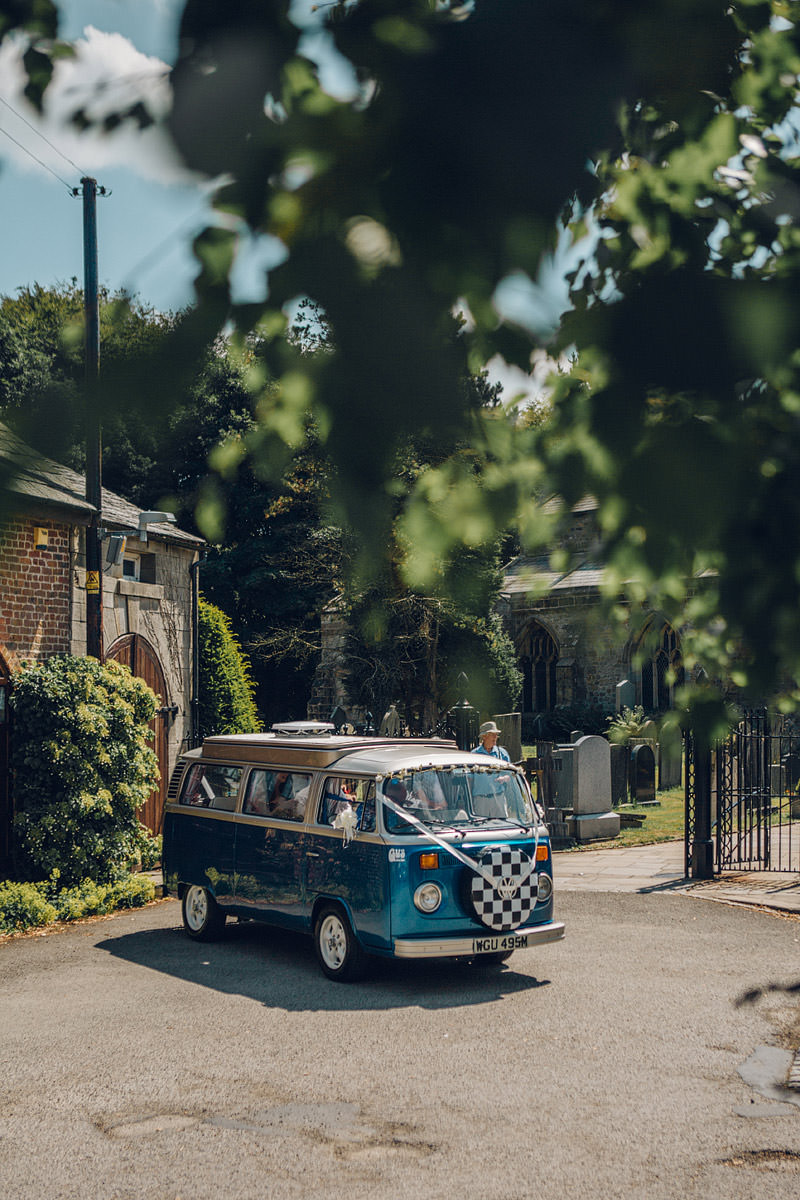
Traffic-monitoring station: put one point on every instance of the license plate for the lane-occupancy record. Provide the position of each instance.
(508, 941)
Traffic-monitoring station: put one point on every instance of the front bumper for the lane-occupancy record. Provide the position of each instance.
(461, 947)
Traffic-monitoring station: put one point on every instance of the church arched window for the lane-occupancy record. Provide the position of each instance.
(538, 657)
(661, 666)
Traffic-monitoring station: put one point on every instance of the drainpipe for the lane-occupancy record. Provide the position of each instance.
(194, 735)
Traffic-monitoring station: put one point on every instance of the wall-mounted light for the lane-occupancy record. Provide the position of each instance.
(115, 548)
(40, 538)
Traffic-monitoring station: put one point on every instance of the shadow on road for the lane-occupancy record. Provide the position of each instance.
(279, 970)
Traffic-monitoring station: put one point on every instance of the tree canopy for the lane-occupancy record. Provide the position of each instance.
(664, 135)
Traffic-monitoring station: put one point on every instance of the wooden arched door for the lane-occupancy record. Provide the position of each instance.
(6, 808)
(135, 652)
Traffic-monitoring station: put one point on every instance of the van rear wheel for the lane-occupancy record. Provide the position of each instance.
(203, 919)
(339, 952)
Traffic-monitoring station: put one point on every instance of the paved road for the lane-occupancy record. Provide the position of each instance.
(137, 1064)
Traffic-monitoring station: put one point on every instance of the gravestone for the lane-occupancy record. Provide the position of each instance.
(510, 739)
(576, 736)
(625, 695)
(643, 775)
(563, 782)
(620, 760)
(791, 768)
(670, 759)
(649, 731)
(591, 790)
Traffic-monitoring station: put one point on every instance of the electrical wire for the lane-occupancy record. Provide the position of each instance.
(30, 154)
(39, 133)
(142, 266)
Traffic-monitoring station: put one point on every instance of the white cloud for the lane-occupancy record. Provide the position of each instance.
(107, 74)
(526, 389)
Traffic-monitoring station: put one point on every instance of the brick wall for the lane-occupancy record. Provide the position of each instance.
(34, 591)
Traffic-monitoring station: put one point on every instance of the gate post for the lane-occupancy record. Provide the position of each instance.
(464, 718)
(701, 856)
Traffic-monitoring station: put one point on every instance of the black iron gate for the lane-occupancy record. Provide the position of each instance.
(742, 802)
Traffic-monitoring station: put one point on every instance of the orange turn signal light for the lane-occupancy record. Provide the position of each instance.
(542, 853)
(429, 862)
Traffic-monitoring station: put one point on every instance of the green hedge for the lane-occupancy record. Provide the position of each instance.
(227, 702)
(30, 905)
(82, 768)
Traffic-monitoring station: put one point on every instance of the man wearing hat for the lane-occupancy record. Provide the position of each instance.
(488, 734)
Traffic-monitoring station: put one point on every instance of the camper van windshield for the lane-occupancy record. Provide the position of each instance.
(456, 796)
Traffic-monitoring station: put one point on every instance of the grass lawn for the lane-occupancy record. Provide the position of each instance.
(662, 824)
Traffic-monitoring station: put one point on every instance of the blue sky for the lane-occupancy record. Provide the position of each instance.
(145, 225)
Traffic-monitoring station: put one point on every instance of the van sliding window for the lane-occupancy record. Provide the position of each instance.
(208, 785)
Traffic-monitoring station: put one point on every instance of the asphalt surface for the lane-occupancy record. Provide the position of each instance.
(135, 1063)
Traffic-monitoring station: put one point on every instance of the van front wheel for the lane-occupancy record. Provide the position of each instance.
(203, 919)
(339, 953)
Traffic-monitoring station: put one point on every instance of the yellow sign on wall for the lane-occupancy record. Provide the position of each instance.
(93, 582)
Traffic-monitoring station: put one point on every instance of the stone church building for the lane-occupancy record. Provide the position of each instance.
(567, 653)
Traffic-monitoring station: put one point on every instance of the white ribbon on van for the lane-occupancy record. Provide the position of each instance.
(472, 863)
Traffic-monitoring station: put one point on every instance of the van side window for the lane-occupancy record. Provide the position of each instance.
(277, 794)
(208, 785)
(340, 790)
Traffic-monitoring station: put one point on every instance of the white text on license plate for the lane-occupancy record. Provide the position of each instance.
(508, 941)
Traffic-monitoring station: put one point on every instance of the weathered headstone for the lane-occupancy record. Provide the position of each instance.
(670, 759)
(791, 770)
(625, 695)
(643, 775)
(338, 718)
(576, 736)
(620, 759)
(649, 731)
(591, 789)
(563, 782)
(510, 734)
(392, 723)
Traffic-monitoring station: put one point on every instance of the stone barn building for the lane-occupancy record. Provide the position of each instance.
(149, 600)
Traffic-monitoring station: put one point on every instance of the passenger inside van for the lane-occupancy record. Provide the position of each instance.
(276, 794)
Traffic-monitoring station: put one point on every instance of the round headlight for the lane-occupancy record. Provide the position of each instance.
(428, 897)
(545, 887)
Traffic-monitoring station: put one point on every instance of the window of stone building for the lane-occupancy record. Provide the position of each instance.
(538, 659)
(141, 567)
(661, 667)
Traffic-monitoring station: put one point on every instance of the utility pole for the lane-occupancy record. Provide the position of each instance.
(94, 460)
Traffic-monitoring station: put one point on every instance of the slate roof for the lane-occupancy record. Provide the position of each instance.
(27, 474)
(524, 573)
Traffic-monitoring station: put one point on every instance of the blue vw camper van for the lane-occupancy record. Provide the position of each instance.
(398, 848)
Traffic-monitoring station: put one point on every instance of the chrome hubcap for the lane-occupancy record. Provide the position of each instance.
(196, 907)
(333, 942)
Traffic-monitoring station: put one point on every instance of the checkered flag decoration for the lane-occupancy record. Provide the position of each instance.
(508, 902)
